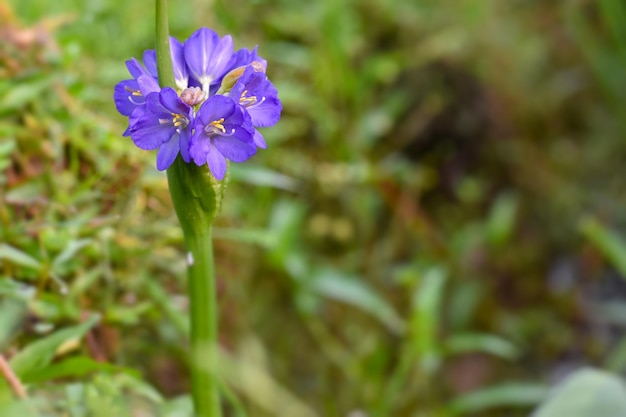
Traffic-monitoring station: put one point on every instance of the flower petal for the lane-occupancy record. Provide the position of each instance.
(147, 84)
(149, 60)
(153, 104)
(267, 113)
(170, 100)
(215, 108)
(207, 56)
(184, 140)
(135, 68)
(125, 101)
(199, 147)
(216, 162)
(259, 140)
(234, 149)
(221, 56)
(244, 56)
(197, 50)
(167, 153)
(148, 134)
(259, 97)
(178, 63)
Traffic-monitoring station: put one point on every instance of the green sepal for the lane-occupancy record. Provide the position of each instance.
(196, 194)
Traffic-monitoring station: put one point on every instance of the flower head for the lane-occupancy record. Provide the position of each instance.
(221, 97)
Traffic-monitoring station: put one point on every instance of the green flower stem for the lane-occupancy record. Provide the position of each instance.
(164, 59)
(197, 197)
(203, 325)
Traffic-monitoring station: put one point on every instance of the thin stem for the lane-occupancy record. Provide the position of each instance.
(164, 58)
(196, 197)
(196, 200)
(11, 378)
(203, 314)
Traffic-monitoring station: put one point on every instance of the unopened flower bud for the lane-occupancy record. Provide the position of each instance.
(233, 76)
(192, 96)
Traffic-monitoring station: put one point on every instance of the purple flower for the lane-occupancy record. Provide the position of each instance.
(221, 97)
(207, 56)
(164, 125)
(259, 97)
(128, 94)
(244, 56)
(222, 130)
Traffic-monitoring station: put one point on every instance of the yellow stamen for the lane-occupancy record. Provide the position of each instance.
(179, 120)
(218, 124)
(133, 92)
(246, 100)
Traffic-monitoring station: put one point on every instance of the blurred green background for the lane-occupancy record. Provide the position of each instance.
(436, 228)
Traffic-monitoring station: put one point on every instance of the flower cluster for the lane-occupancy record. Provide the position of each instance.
(221, 98)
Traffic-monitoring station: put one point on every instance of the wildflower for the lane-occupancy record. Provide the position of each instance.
(259, 97)
(244, 57)
(165, 125)
(128, 94)
(207, 56)
(222, 130)
(221, 97)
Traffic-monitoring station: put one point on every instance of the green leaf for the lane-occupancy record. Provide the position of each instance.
(16, 290)
(18, 409)
(608, 243)
(130, 382)
(21, 94)
(332, 284)
(68, 253)
(7, 146)
(73, 367)
(26, 193)
(501, 222)
(178, 407)
(127, 314)
(11, 313)
(473, 342)
(257, 175)
(38, 355)
(265, 238)
(505, 395)
(426, 315)
(18, 257)
(586, 393)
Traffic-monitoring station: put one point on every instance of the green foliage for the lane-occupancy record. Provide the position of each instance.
(37, 356)
(436, 228)
(588, 392)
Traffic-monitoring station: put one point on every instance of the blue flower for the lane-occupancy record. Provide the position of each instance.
(165, 125)
(207, 56)
(128, 94)
(211, 117)
(222, 130)
(259, 97)
(244, 57)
